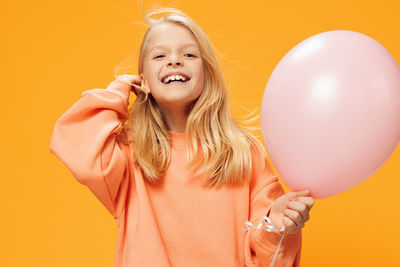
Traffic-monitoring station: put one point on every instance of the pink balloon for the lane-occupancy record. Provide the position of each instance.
(330, 113)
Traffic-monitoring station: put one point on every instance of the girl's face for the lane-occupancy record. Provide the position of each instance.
(173, 67)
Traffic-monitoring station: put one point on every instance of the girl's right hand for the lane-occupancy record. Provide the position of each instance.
(135, 81)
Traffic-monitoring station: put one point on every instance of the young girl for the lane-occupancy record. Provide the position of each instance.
(180, 178)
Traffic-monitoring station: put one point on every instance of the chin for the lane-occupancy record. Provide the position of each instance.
(176, 102)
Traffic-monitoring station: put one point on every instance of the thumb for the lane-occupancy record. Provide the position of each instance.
(294, 194)
(301, 193)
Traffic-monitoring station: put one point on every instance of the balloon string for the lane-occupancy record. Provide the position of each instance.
(270, 228)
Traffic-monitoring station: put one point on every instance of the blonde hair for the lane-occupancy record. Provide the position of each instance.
(218, 148)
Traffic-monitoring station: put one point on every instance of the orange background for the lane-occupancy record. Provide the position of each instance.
(51, 51)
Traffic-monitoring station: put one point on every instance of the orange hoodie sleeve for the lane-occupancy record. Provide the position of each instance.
(261, 245)
(84, 139)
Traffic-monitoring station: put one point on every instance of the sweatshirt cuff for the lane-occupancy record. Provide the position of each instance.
(121, 88)
(268, 240)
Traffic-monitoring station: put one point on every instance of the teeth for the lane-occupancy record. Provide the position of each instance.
(174, 78)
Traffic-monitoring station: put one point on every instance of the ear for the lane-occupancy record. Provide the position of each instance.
(145, 85)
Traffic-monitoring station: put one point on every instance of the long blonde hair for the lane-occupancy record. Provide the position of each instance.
(218, 147)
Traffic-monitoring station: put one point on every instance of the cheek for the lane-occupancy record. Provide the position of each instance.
(200, 74)
(202, 79)
(153, 81)
(151, 75)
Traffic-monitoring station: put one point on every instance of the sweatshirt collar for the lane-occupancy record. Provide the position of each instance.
(177, 139)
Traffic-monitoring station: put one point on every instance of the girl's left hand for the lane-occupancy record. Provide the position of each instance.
(291, 210)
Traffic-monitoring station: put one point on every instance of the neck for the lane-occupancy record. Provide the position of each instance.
(176, 118)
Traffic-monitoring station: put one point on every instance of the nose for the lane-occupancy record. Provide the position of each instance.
(174, 60)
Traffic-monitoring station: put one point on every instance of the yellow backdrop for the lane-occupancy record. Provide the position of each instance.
(51, 51)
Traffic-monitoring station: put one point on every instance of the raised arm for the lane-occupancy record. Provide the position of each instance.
(84, 139)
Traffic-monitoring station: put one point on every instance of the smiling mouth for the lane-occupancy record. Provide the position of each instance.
(175, 79)
(176, 82)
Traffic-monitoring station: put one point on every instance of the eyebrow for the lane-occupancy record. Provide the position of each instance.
(182, 46)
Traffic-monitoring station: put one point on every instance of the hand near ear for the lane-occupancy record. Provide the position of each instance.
(137, 82)
(291, 210)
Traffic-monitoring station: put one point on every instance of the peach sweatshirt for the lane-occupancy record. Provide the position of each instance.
(177, 222)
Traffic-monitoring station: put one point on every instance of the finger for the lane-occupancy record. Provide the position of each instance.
(131, 79)
(308, 201)
(135, 88)
(290, 226)
(294, 216)
(300, 208)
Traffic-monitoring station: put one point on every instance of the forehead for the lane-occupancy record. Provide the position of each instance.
(170, 34)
